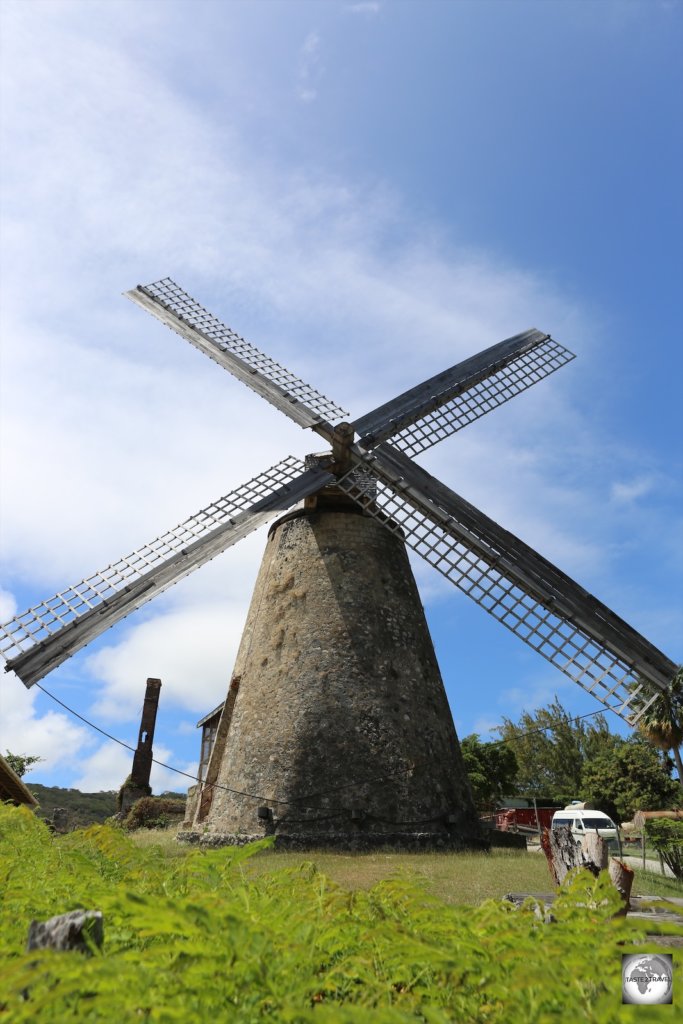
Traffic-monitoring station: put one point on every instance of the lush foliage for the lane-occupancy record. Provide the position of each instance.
(551, 749)
(197, 939)
(662, 723)
(155, 812)
(628, 778)
(83, 808)
(569, 759)
(666, 835)
(21, 763)
(491, 768)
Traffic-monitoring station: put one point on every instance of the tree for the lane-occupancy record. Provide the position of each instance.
(21, 763)
(662, 723)
(551, 748)
(667, 838)
(627, 778)
(491, 767)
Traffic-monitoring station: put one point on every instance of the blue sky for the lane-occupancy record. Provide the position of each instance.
(369, 192)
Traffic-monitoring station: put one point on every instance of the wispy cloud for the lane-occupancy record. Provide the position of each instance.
(625, 492)
(309, 68)
(366, 7)
(114, 429)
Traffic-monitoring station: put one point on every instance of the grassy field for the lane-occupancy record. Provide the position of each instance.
(458, 878)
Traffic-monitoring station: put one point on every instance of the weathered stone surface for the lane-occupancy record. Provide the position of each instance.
(358, 842)
(68, 931)
(337, 719)
(60, 819)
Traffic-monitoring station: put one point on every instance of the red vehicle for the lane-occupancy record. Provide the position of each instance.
(524, 819)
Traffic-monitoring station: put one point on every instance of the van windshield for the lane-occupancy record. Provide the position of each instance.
(598, 823)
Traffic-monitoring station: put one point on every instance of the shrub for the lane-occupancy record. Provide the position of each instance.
(154, 812)
(666, 835)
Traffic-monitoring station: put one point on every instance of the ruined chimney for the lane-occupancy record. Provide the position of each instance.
(142, 759)
(137, 784)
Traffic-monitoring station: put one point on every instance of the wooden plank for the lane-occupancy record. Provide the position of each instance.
(533, 573)
(388, 419)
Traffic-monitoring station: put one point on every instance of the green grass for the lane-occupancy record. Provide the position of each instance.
(455, 878)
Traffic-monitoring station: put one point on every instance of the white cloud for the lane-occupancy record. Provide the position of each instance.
(366, 7)
(625, 492)
(8, 606)
(51, 735)
(310, 68)
(114, 429)
(485, 728)
(104, 770)
(191, 649)
(110, 765)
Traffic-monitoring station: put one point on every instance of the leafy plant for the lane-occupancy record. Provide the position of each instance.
(666, 835)
(552, 749)
(491, 769)
(154, 812)
(21, 763)
(662, 723)
(197, 938)
(628, 778)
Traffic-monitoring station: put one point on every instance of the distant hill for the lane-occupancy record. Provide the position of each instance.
(84, 808)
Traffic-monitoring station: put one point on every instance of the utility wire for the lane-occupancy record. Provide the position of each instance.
(215, 785)
(308, 796)
(545, 728)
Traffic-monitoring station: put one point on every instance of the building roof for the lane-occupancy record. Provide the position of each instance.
(212, 714)
(12, 788)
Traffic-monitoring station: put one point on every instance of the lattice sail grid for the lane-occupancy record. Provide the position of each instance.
(40, 622)
(177, 301)
(484, 396)
(578, 655)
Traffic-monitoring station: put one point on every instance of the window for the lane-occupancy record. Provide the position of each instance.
(591, 823)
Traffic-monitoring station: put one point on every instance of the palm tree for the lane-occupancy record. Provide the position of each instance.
(662, 723)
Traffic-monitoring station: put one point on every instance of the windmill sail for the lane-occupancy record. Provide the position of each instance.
(41, 638)
(525, 592)
(183, 314)
(444, 404)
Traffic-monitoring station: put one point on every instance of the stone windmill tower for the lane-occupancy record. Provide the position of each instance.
(336, 726)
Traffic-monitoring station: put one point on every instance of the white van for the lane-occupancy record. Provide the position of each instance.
(582, 820)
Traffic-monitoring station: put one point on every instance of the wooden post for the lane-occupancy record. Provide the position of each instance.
(594, 851)
(564, 853)
(621, 876)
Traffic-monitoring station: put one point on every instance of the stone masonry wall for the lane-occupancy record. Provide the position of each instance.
(340, 725)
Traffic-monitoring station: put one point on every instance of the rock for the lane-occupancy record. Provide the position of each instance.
(68, 931)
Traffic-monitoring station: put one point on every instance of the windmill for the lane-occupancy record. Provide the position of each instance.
(336, 722)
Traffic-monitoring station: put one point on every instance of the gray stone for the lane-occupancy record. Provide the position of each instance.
(336, 717)
(68, 931)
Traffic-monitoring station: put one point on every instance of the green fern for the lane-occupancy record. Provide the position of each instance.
(197, 938)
